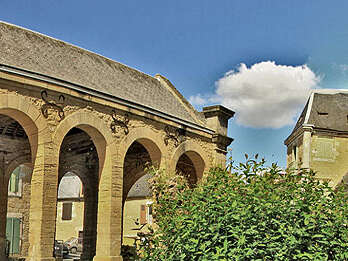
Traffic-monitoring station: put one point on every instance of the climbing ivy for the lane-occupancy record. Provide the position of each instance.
(247, 212)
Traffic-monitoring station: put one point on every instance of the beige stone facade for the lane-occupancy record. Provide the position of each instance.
(66, 229)
(320, 138)
(64, 109)
(137, 214)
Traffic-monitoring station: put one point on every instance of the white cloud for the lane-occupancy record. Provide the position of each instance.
(266, 95)
(198, 100)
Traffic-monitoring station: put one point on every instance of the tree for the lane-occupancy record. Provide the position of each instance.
(247, 212)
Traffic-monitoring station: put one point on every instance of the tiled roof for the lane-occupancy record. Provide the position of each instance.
(141, 188)
(325, 109)
(329, 111)
(70, 187)
(34, 52)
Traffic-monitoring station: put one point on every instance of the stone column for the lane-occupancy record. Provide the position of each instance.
(307, 139)
(43, 203)
(90, 220)
(110, 210)
(3, 212)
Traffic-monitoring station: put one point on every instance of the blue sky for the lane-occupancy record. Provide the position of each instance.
(194, 43)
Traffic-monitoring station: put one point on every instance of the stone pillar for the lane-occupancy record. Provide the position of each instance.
(3, 212)
(307, 139)
(90, 220)
(43, 203)
(217, 119)
(110, 210)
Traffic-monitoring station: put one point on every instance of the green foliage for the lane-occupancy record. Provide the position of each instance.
(248, 212)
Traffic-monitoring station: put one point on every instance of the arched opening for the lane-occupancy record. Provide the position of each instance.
(15, 179)
(137, 209)
(77, 204)
(343, 183)
(190, 165)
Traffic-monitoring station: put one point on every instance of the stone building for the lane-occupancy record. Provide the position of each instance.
(319, 139)
(64, 109)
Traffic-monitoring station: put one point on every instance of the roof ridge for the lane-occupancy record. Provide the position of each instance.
(329, 91)
(76, 47)
(190, 109)
(53, 58)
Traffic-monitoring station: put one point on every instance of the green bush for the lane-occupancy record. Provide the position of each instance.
(248, 212)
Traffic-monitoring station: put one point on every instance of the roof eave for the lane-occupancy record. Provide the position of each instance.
(83, 89)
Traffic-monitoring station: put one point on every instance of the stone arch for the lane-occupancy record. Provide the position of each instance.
(195, 153)
(28, 116)
(30, 119)
(22, 160)
(141, 145)
(343, 182)
(78, 155)
(151, 140)
(93, 126)
(344, 178)
(154, 145)
(109, 180)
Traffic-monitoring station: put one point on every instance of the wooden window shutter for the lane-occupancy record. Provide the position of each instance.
(67, 211)
(143, 214)
(16, 235)
(13, 234)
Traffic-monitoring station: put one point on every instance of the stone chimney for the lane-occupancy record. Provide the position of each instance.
(217, 118)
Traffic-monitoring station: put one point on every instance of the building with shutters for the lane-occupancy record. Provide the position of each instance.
(319, 139)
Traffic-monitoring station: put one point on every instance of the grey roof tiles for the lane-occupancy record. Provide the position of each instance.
(28, 50)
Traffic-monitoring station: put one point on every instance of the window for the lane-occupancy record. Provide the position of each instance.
(295, 152)
(149, 213)
(143, 214)
(146, 213)
(13, 234)
(67, 211)
(14, 185)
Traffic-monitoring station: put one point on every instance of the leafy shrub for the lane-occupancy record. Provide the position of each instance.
(248, 212)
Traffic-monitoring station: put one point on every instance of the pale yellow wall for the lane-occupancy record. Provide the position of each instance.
(131, 214)
(69, 228)
(329, 157)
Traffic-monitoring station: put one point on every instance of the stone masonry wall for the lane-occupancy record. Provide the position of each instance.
(19, 207)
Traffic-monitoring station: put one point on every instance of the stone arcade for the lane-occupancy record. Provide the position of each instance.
(64, 109)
